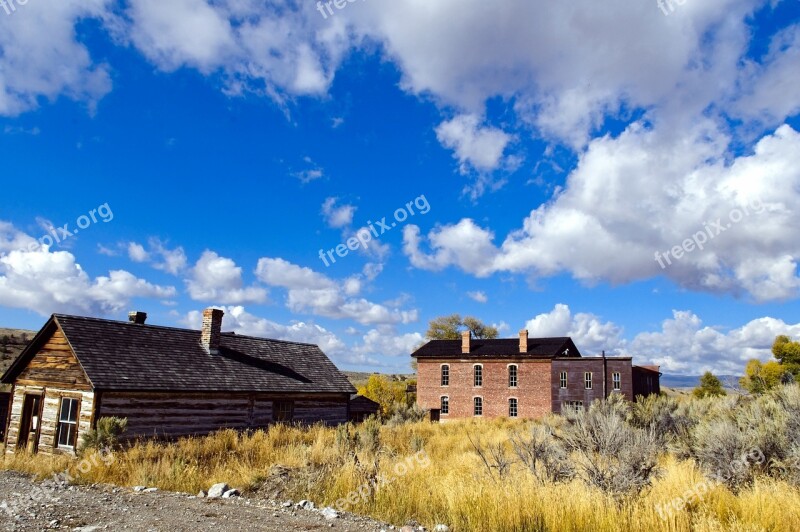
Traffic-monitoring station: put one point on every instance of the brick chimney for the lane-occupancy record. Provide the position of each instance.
(523, 341)
(211, 332)
(465, 341)
(137, 318)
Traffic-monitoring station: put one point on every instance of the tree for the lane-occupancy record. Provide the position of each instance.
(758, 377)
(787, 353)
(710, 386)
(384, 392)
(450, 328)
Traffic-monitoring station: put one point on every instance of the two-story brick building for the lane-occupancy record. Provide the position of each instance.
(526, 379)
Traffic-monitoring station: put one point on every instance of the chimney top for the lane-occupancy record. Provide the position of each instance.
(137, 317)
(523, 341)
(211, 332)
(466, 338)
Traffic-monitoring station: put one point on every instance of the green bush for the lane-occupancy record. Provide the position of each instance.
(106, 435)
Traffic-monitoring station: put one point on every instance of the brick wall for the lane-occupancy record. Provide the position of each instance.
(532, 392)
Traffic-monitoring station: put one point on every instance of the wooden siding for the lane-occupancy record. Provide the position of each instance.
(5, 410)
(51, 401)
(183, 414)
(576, 370)
(55, 365)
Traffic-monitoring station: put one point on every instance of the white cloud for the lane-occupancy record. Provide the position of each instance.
(337, 216)
(238, 320)
(378, 344)
(137, 253)
(478, 296)
(463, 244)
(475, 146)
(219, 280)
(47, 282)
(589, 333)
(309, 291)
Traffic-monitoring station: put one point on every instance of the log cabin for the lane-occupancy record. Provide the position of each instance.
(521, 378)
(167, 382)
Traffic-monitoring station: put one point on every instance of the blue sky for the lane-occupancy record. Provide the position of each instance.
(551, 151)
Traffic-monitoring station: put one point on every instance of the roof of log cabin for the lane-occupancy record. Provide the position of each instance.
(118, 355)
(541, 348)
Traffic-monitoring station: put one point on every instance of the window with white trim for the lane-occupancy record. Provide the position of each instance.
(587, 380)
(563, 379)
(477, 375)
(445, 407)
(512, 376)
(68, 422)
(513, 407)
(575, 406)
(445, 375)
(616, 380)
(478, 406)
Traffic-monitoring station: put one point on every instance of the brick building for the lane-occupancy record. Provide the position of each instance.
(527, 378)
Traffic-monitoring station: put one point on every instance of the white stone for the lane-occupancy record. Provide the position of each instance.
(137, 489)
(441, 528)
(230, 493)
(329, 513)
(217, 490)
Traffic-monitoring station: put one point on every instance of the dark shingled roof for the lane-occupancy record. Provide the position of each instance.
(498, 348)
(120, 355)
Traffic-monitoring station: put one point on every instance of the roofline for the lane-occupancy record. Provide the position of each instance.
(564, 341)
(227, 391)
(183, 329)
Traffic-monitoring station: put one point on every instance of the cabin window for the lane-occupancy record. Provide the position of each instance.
(445, 375)
(282, 411)
(445, 405)
(563, 379)
(587, 380)
(616, 379)
(512, 407)
(68, 422)
(478, 406)
(478, 375)
(512, 376)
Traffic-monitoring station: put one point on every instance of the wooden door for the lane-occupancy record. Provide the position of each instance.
(30, 424)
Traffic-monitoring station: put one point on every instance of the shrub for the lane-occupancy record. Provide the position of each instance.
(543, 455)
(106, 435)
(407, 414)
(369, 435)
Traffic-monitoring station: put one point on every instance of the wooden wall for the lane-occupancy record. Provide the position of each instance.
(55, 365)
(183, 414)
(5, 410)
(49, 420)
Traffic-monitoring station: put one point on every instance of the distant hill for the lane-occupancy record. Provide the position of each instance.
(358, 378)
(12, 342)
(692, 381)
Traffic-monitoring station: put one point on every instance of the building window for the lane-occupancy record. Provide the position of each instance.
(445, 375)
(587, 380)
(68, 422)
(512, 376)
(512, 407)
(616, 379)
(575, 406)
(282, 411)
(478, 375)
(563, 379)
(445, 405)
(478, 408)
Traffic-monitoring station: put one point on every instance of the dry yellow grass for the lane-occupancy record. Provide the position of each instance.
(453, 488)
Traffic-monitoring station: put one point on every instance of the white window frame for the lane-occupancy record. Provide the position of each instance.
(576, 406)
(587, 380)
(70, 424)
(442, 376)
(515, 409)
(477, 402)
(444, 405)
(563, 380)
(516, 376)
(616, 381)
(476, 377)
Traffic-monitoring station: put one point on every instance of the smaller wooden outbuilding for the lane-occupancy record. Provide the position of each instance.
(362, 407)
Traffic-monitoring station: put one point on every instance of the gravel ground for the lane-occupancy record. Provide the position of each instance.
(50, 505)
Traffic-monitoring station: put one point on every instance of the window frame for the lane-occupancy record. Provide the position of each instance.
(587, 380)
(563, 380)
(444, 405)
(616, 381)
(444, 375)
(575, 406)
(513, 407)
(276, 408)
(61, 424)
(477, 404)
(513, 380)
(477, 375)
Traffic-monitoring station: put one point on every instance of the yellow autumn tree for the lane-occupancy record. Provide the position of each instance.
(385, 392)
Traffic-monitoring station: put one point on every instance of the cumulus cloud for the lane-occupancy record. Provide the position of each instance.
(378, 344)
(172, 261)
(309, 291)
(219, 280)
(478, 296)
(337, 216)
(475, 146)
(47, 282)
(683, 346)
